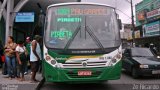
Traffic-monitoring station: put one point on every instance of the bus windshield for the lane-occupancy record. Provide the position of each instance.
(81, 27)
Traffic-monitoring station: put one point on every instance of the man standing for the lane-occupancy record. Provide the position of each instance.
(153, 49)
(35, 56)
(28, 47)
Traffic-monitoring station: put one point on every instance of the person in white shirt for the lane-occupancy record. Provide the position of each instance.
(21, 54)
(35, 57)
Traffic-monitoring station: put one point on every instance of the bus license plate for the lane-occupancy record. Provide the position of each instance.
(156, 72)
(84, 73)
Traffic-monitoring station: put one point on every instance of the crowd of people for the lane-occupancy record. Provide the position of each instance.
(18, 55)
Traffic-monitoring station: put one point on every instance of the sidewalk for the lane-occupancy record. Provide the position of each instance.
(14, 84)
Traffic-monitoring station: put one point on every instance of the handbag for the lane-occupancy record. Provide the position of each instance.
(3, 58)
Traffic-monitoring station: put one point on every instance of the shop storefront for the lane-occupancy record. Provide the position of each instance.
(148, 18)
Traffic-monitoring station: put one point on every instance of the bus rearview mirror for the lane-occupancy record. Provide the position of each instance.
(120, 24)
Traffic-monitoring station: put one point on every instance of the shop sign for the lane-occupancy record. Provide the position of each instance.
(24, 17)
(151, 29)
(153, 13)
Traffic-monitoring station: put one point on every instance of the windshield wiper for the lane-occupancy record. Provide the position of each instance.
(73, 36)
(93, 36)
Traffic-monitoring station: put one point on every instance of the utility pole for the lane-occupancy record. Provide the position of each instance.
(133, 26)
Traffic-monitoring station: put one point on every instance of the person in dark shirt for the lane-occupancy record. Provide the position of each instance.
(28, 46)
(1, 53)
(153, 49)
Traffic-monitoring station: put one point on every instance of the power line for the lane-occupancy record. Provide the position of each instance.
(121, 10)
(124, 13)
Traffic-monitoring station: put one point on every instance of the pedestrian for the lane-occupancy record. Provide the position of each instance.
(21, 54)
(1, 53)
(2, 59)
(28, 46)
(10, 57)
(35, 57)
(153, 49)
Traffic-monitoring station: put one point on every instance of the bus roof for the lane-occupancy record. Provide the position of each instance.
(79, 3)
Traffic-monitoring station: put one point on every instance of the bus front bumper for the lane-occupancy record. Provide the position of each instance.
(53, 74)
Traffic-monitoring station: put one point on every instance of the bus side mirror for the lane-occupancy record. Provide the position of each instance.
(120, 24)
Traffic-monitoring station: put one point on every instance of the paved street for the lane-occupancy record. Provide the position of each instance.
(125, 83)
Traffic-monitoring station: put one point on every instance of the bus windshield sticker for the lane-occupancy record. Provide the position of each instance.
(61, 34)
(68, 19)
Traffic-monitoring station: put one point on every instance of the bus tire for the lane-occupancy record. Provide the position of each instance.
(41, 83)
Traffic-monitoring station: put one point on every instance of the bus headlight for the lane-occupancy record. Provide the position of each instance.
(53, 62)
(118, 56)
(114, 60)
(143, 66)
(48, 58)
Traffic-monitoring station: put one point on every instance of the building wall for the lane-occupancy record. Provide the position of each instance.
(127, 33)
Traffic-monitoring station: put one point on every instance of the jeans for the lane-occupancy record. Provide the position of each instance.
(26, 67)
(11, 66)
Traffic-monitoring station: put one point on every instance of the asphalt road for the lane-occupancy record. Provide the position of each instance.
(125, 83)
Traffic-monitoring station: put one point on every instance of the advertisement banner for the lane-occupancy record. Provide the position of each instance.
(141, 15)
(151, 29)
(153, 13)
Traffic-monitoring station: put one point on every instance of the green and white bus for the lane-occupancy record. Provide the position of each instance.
(81, 43)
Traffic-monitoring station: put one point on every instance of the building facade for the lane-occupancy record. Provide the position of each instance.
(148, 22)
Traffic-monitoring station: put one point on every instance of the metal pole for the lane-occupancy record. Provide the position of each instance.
(133, 26)
(2, 8)
(9, 26)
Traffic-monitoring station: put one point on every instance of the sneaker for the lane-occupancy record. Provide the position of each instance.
(22, 79)
(10, 78)
(25, 73)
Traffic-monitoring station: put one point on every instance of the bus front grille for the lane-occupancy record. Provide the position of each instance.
(89, 65)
